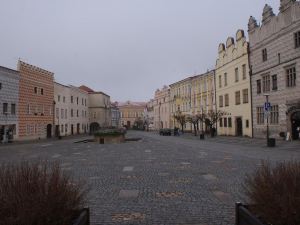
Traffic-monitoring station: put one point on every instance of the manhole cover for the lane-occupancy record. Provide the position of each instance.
(169, 194)
(122, 217)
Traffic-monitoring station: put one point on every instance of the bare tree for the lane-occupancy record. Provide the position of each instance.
(211, 118)
(181, 119)
(194, 119)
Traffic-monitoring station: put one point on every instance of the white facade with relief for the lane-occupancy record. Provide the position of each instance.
(275, 63)
(233, 92)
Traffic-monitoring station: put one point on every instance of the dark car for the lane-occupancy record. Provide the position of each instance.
(165, 132)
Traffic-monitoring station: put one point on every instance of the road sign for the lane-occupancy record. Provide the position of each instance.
(267, 106)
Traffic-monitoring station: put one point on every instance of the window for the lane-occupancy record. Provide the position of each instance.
(35, 90)
(82, 102)
(245, 96)
(42, 91)
(229, 122)
(62, 113)
(66, 128)
(291, 77)
(226, 99)
(5, 108)
(220, 101)
(260, 115)
(274, 82)
(62, 128)
(225, 79)
(264, 55)
(266, 83)
(297, 39)
(77, 113)
(244, 72)
(274, 114)
(71, 99)
(247, 123)
(28, 109)
(221, 122)
(279, 58)
(58, 98)
(258, 84)
(13, 109)
(237, 97)
(57, 113)
(72, 114)
(225, 122)
(0, 86)
(64, 99)
(77, 99)
(66, 114)
(236, 74)
(220, 81)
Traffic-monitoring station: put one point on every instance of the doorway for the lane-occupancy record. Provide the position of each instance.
(72, 129)
(295, 119)
(239, 126)
(128, 124)
(78, 128)
(49, 131)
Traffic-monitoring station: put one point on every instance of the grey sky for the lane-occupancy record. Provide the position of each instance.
(126, 48)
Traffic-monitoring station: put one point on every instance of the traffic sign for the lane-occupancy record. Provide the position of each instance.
(267, 106)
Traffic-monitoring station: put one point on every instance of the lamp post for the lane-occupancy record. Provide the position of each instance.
(267, 104)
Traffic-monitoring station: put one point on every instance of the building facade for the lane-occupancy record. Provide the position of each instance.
(191, 96)
(36, 93)
(161, 107)
(99, 109)
(131, 112)
(233, 92)
(71, 110)
(149, 115)
(9, 103)
(275, 63)
(203, 96)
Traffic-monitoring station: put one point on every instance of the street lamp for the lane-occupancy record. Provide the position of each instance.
(267, 110)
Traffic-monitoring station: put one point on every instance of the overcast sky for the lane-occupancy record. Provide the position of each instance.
(126, 48)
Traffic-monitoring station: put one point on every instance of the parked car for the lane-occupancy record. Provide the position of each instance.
(165, 132)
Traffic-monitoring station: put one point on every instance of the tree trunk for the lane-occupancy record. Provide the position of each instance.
(195, 130)
(182, 127)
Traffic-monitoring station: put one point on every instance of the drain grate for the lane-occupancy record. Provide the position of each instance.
(169, 194)
(123, 217)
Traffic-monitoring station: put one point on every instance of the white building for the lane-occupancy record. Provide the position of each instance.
(71, 110)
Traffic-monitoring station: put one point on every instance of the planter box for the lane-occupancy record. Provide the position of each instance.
(244, 217)
(110, 139)
(83, 218)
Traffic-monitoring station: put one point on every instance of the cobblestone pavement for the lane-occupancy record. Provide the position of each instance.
(159, 180)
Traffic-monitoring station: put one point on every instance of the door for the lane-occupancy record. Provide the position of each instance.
(128, 124)
(295, 119)
(239, 126)
(49, 131)
(72, 129)
(56, 130)
(78, 128)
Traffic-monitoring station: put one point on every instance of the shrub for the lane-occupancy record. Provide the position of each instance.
(38, 193)
(275, 193)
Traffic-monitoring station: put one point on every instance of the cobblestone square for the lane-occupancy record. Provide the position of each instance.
(159, 180)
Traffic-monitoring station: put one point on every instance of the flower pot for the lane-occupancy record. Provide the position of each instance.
(83, 218)
(244, 217)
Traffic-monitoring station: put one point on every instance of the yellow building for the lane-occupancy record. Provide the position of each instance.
(131, 112)
(233, 92)
(193, 95)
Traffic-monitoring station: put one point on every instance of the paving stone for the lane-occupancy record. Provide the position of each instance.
(209, 177)
(128, 194)
(128, 169)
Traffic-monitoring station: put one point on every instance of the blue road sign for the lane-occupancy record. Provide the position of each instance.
(267, 106)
